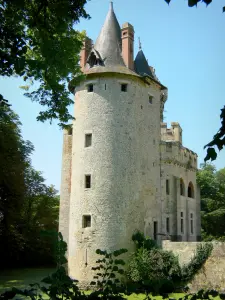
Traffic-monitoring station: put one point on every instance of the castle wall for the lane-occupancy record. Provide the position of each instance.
(211, 276)
(179, 163)
(65, 185)
(123, 162)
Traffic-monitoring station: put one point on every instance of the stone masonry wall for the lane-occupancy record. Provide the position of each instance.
(65, 185)
(123, 162)
(212, 275)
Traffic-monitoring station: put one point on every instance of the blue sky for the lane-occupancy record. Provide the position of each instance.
(185, 45)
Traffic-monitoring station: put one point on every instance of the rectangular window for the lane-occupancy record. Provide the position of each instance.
(150, 99)
(87, 181)
(86, 221)
(123, 87)
(167, 187)
(168, 225)
(181, 214)
(88, 140)
(155, 230)
(182, 225)
(90, 88)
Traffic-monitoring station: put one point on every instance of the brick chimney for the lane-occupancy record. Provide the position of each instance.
(86, 49)
(128, 45)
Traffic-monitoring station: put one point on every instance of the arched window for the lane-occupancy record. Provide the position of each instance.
(191, 190)
(182, 187)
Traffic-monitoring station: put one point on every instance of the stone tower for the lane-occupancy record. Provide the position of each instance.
(111, 170)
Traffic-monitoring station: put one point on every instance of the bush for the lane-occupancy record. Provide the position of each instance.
(155, 270)
(159, 271)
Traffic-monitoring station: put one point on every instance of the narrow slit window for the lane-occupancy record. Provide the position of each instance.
(167, 187)
(88, 140)
(86, 221)
(192, 224)
(192, 227)
(87, 181)
(182, 225)
(123, 87)
(155, 230)
(168, 225)
(90, 88)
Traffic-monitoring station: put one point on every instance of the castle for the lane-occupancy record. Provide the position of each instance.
(122, 169)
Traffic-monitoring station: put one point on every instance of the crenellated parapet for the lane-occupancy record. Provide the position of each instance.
(175, 154)
(172, 134)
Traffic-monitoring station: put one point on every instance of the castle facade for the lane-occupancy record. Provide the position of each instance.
(122, 169)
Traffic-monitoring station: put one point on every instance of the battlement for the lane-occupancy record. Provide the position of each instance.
(173, 134)
(175, 153)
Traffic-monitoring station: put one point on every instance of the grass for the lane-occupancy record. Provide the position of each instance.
(21, 278)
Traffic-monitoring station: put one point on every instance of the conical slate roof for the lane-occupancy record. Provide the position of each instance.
(109, 43)
(141, 65)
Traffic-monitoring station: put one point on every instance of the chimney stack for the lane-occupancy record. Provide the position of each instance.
(85, 51)
(128, 45)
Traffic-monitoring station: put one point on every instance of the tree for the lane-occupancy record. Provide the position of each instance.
(192, 3)
(28, 207)
(212, 187)
(38, 43)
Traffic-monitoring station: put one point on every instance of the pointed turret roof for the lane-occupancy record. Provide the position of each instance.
(141, 65)
(109, 42)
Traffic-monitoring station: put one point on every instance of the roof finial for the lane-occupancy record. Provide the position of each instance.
(111, 5)
(139, 40)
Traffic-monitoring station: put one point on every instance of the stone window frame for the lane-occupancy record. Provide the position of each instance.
(150, 98)
(86, 133)
(182, 190)
(85, 223)
(167, 224)
(85, 181)
(191, 190)
(167, 186)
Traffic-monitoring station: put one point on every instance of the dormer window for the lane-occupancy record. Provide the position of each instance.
(123, 87)
(90, 88)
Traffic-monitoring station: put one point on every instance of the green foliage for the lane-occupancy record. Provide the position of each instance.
(192, 3)
(189, 270)
(56, 286)
(158, 271)
(38, 43)
(28, 207)
(107, 280)
(212, 187)
(143, 242)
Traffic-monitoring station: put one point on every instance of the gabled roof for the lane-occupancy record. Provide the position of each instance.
(109, 43)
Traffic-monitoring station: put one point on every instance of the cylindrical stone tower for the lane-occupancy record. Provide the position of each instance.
(115, 186)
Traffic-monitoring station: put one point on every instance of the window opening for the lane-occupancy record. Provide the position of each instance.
(123, 87)
(88, 140)
(86, 221)
(182, 187)
(87, 181)
(182, 223)
(90, 88)
(168, 225)
(155, 230)
(167, 187)
(190, 190)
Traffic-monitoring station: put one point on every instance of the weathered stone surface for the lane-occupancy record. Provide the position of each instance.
(212, 275)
